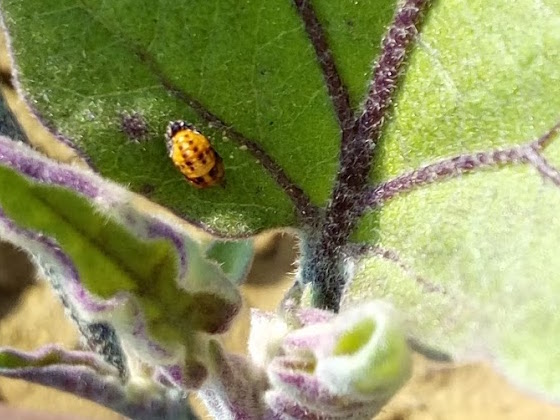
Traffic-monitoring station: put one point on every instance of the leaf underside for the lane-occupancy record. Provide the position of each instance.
(142, 59)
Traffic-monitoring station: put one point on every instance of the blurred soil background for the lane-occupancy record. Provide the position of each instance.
(31, 316)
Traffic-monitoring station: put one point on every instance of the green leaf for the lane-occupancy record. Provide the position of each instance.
(51, 355)
(235, 257)
(101, 248)
(105, 247)
(109, 258)
(249, 64)
(472, 260)
(85, 375)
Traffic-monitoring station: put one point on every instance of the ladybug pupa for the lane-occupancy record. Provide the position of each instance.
(193, 155)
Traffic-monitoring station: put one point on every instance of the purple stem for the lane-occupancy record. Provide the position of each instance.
(455, 166)
(356, 157)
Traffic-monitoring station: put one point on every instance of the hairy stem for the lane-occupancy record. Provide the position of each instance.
(325, 258)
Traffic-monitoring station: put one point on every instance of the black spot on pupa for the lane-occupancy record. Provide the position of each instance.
(174, 127)
(134, 126)
(350, 23)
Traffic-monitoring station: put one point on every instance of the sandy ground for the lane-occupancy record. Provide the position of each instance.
(31, 316)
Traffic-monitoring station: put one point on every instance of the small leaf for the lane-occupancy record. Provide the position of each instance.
(83, 374)
(110, 262)
(53, 355)
(235, 257)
